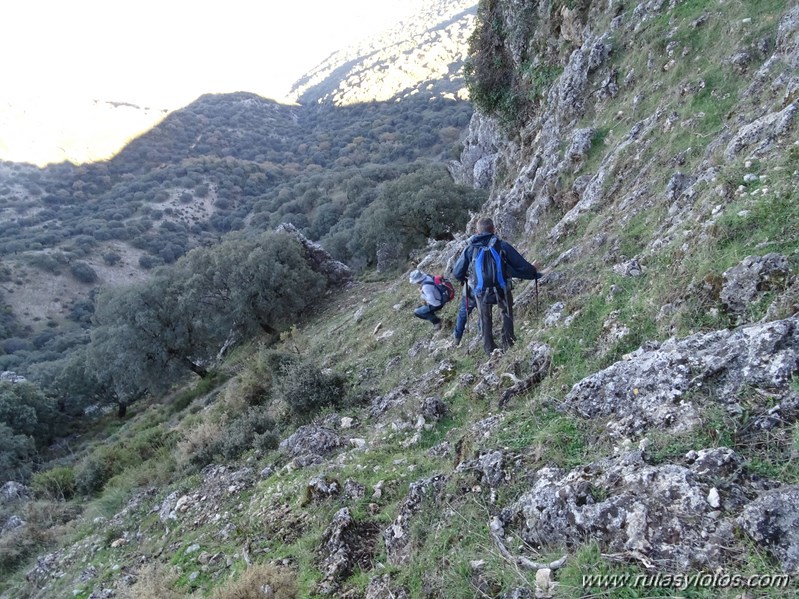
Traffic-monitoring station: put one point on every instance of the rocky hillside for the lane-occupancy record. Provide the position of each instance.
(643, 429)
(423, 54)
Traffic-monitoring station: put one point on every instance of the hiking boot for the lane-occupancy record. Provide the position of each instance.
(437, 326)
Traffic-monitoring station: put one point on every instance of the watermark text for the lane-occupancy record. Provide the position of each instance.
(702, 580)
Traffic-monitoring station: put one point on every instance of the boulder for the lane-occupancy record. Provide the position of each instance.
(13, 491)
(312, 440)
(772, 520)
(658, 514)
(337, 273)
(651, 387)
(748, 281)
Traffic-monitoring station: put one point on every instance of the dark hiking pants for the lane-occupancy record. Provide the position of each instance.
(485, 304)
(428, 312)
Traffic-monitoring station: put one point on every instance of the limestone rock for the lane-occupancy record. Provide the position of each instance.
(346, 545)
(649, 389)
(380, 587)
(337, 273)
(433, 409)
(13, 491)
(321, 487)
(772, 520)
(490, 467)
(312, 440)
(396, 536)
(627, 506)
(12, 523)
(755, 275)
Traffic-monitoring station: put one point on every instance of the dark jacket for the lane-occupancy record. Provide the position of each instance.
(515, 264)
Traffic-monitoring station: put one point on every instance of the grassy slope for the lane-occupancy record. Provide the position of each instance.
(273, 519)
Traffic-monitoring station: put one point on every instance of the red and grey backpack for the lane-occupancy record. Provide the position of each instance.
(445, 289)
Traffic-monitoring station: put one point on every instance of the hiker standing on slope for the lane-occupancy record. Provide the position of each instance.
(487, 266)
(433, 301)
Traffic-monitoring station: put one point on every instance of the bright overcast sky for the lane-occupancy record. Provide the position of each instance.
(165, 53)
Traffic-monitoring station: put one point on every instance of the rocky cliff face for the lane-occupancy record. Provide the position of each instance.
(657, 130)
(603, 138)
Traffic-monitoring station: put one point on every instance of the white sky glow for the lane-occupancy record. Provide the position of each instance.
(167, 53)
(61, 55)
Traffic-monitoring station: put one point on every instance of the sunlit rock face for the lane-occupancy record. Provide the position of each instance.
(423, 54)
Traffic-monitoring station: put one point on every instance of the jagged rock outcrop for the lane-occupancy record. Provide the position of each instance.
(772, 521)
(660, 385)
(662, 515)
(749, 280)
(550, 148)
(397, 535)
(310, 443)
(13, 491)
(337, 273)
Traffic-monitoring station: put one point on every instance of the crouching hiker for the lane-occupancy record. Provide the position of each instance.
(435, 291)
(487, 266)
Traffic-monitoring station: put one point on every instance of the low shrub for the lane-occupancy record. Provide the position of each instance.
(199, 444)
(252, 430)
(99, 467)
(306, 390)
(154, 581)
(58, 484)
(83, 272)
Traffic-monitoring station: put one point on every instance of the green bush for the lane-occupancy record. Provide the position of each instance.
(57, 483)
(83, 272)
(99, 467)
(255, 382)
(252, 430)
(17, 452)
(306, 390)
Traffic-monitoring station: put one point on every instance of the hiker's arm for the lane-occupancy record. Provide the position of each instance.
(461, 268)
(517, 266)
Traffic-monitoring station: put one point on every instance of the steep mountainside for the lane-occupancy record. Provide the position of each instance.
(424, 54)
(640, 438)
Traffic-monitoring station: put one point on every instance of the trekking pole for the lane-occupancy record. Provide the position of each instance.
(536, 297)
(466, 304)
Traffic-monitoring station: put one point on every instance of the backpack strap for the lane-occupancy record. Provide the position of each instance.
(499, 258)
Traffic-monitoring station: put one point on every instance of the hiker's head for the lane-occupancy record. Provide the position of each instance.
(485, 225)
(417, 276)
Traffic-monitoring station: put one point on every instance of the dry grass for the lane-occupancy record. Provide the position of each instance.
(154, 581)
(198, 440)
(259, 582)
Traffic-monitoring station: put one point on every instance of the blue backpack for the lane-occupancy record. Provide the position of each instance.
(487, 269)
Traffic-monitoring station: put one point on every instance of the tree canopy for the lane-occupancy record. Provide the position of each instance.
(153, 334)
(425, 204)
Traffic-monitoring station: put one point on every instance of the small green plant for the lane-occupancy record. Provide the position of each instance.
(252, 430)
(305, 390)
(99, 467)
(57, 483)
